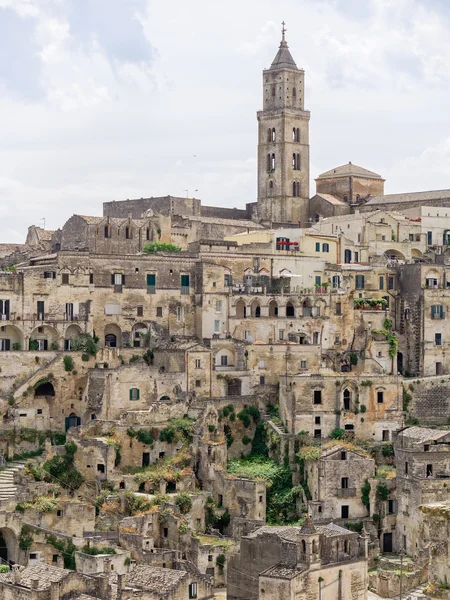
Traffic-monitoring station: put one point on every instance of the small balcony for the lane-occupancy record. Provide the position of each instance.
(346, 492)
(185, 290)
(151, 289)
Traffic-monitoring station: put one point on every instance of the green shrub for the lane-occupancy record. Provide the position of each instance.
(245, 418)
(246, 440)
(228, 436)
(68, 363)
(387, 450)
(26, 538)
(220, 562)
(259, 442)
(135, 358)
(154, 247)
(85, 357)
(363, 408)
(211, 428)
(85, 343)
(145, 436)
(184, 502)
(4, 569)
(62, 469)
(365, 494)
(382, 491)
(337, 434)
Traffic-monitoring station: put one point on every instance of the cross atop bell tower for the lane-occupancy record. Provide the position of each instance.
(283, 142)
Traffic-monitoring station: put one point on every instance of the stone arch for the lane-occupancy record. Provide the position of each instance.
(307, 307)
(43, 338)
(225, 358)
(138, 334)
(73, 420)
(394, 255)
(241, 309)
(255, 308)
(290, 309)
(113, 335)
(273, 308)
(320, 307)
(72, 332)
(14, 335)
(46, 388)
(9, 548)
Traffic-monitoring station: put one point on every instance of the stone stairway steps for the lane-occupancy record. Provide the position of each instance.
(7, 488)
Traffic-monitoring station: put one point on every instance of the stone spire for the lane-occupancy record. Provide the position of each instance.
(283, 58)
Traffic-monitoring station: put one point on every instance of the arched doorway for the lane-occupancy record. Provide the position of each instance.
(113, 336)
(347, 256)
(273, 308)
(290, 310)
(240, 309)
(72, 421)
(8, 546)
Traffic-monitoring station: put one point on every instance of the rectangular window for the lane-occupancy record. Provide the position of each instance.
(151, 283)
(185, 283)
(262, 364)
(91, 278)
(127, 233)
(317, 396)
(317, 433)
(438, 339)
(344, 512)
(303, 364)
(437, 311)
(217, 326)
(317, 246)
(69, 311)
(338, 309)
(134, 394)
(198, 383)
(247, 334)
(227, 280)
(40, 310)
(224, 360)
(4, 310)
(159, 312)
(106, 231)
(318, 280)
(356, 257)
(262, 380)
(325, 247)
(406, 468)
(281, 334)
(336, 281)
(218, 305)
(197, 363)
(192, 589)
(140, 311)
(65, 279)
(317, 420)
(391, 507)
(343, 455)
(49, 275)
(118, 279)
(438, 368)
(381, 283)
(411, 237)
(380, 397)
(391, 283)
(5, 345)
(180, 315)
(429, 237)
(359, 282)
(429, 470)
(344, 483)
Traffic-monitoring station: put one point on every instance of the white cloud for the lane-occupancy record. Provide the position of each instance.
(119, 119)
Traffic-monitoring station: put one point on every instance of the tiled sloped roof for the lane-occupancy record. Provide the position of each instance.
(349, 170)
(45, 574)
(154, 578)
(421, 197)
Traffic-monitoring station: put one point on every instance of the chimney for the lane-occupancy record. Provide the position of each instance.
(34, 584)
(104, 589)
(119, 586)
(54, 590)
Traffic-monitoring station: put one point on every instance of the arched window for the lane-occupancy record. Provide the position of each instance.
(294, 161)
(347, 399)
(127, 233)
(269, 162)
(298, 162)
(273, 134)
(303, 547)
(294, 92)
(296, 189)
(347, 256)
(290, 311)
(273, 161)
(240, 309)
(314, 547)
(269, 135)
(111, 340)
(346, 547)
(307, 308)
(273, 308)
(297, 135)
(316, 337)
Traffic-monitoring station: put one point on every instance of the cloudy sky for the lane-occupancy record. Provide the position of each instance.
(116, 99)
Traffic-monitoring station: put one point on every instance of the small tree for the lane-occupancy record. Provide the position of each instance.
(154, 247)
(184, 502)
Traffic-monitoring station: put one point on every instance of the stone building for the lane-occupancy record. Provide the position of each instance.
(316, 561)
(335, 481)
(423, 471)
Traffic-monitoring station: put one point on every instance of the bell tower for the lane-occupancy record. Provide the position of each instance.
(283, 142)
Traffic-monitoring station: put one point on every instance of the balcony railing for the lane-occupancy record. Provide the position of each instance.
(151, 289)
(70, 317)
(346, 492)
(4, 317)
(185, 289)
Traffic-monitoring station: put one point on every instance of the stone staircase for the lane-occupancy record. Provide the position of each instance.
(7, 488)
